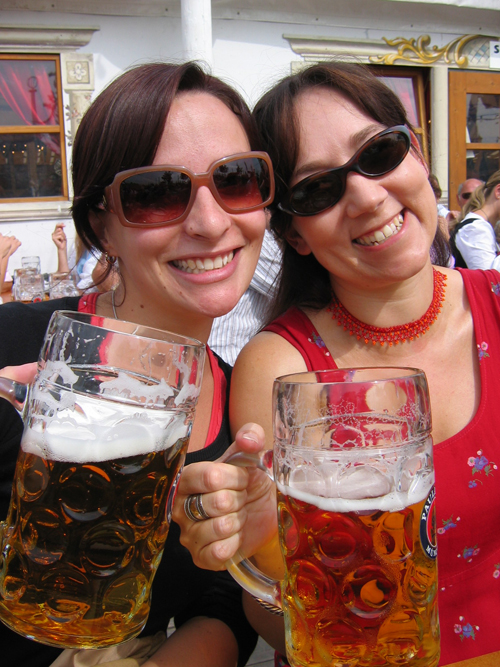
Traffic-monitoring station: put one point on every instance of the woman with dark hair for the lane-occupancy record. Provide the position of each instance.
(472, 239)
(169, 186)
(358, 215)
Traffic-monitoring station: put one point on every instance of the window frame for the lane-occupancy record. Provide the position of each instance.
(420, 80)
(42, 129)
(460, 84)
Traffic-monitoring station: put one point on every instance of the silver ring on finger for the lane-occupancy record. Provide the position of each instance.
(193, 507)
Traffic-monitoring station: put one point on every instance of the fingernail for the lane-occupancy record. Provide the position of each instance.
(249, 435)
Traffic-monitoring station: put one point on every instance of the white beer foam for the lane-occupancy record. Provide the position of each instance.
(366, 492)
(93, 430)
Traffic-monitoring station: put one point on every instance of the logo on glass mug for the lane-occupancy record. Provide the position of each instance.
(428, 525)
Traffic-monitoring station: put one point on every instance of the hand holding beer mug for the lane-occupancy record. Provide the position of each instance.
(353, 467)
(106, 429)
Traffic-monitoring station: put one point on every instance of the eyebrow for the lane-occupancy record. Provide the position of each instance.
(356, 140)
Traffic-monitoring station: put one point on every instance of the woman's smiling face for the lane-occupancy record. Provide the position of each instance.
(157, 264)
(382, 228)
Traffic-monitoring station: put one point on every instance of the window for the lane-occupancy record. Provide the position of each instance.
(474, 126)
(32, 146)
(410, 86)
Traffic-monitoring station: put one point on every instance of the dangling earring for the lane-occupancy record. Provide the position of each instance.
(110, 259)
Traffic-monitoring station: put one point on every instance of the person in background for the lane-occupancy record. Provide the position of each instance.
(358, 216)
(473, 241)
(465, 190)
(80, 261)
(233, 331)
(176, 124)
(8, 246)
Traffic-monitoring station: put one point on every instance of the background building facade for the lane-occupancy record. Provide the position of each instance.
(442, 58)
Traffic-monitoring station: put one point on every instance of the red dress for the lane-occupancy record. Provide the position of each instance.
(467, 482)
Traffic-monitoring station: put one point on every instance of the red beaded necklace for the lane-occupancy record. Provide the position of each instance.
(397, 334)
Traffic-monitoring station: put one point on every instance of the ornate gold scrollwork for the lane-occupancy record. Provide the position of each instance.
(416, 51)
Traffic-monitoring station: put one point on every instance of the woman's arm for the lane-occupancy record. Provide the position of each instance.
(61, 243)
(477, 245)
(8, 246)
(269, 626)
(201, 641)
(262, 360)
(241, 502)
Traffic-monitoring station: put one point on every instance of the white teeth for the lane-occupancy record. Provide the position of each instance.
(199, 265)
(380, 235)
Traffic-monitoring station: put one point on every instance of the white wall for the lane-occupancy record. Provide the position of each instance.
(250, 54)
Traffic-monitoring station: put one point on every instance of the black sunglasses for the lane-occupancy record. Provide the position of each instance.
(378, 156)
(163, 195)
(466, 195)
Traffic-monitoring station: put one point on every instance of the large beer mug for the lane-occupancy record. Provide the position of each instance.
(353, 467)
(106, 429)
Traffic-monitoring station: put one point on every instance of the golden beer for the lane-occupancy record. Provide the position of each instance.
(83, 543)
(360, 585)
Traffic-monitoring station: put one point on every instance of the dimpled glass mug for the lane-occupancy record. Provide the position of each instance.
(106, 429)
(353, 467)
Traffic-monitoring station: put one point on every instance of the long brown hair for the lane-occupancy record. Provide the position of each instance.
(303, 281)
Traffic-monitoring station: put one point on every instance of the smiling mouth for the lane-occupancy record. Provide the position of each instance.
(198, 265)
(381, 235)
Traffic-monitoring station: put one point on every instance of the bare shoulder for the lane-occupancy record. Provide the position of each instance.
(264, 358)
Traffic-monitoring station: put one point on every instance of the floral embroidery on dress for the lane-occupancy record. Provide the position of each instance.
(469, 552)
(496, 571)
(495, 288)
(480, 464)
(481, 350)
(448, 524)
(319, 342)
(465, 630)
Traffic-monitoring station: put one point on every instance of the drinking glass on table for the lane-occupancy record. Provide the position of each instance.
(106, 429)
(31, 262)
(62, 284)
(353, 466)
(28, 286)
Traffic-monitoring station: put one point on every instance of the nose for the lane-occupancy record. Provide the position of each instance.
(206, 218)
(363, 195)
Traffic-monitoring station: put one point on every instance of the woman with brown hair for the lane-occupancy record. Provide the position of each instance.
(358, 215)
(170, 187)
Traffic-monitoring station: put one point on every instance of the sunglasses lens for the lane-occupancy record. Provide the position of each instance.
(466, 195)
(243, 183)
(323, 190)
(154, 197)
(384, 154)
(315, 194)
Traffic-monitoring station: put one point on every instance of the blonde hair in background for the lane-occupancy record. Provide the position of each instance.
(480, 195)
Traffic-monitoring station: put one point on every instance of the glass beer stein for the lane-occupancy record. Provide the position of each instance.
(106, 428)
(353, 467)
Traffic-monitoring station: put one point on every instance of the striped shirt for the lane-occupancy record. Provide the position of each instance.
(232, 331)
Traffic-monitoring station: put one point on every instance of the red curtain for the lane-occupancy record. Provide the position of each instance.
(26, 87)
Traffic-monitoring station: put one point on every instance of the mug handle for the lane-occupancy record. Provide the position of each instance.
(14, 392)
(265, 589)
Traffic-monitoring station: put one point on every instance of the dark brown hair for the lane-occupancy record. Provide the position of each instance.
(124, 125)
(303, 281)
